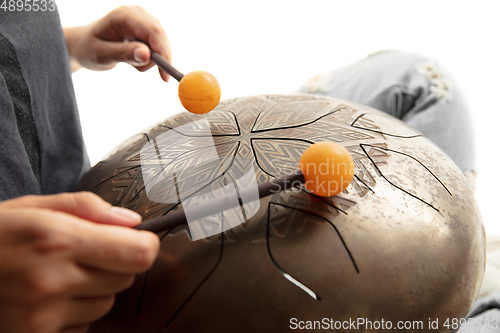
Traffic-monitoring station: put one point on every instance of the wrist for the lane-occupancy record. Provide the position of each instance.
(71, 35)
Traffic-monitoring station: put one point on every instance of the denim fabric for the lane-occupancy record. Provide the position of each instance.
(412, 88)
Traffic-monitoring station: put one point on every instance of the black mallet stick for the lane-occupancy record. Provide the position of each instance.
(339, 170)
(208, 208)
(166, 66)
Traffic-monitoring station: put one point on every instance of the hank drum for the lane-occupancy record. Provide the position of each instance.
(403, 242)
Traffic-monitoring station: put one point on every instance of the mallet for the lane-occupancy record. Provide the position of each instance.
(199, 91)
(325, 168)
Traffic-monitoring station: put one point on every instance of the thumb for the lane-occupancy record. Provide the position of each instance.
(134, 53)
(85, 205)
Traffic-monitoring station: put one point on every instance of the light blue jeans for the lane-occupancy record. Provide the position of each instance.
(412, 88)
(418, 91)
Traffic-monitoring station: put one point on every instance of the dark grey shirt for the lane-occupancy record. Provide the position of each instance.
(41, 145)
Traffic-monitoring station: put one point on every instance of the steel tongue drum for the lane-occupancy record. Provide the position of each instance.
(402, 242)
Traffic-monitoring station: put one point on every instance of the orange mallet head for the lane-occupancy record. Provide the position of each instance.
(328, 168)
(199, 91)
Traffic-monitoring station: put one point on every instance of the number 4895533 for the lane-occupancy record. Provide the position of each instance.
(28, 5)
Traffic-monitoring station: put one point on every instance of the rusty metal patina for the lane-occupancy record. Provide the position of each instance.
(404, 241)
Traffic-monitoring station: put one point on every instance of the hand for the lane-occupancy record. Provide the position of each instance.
(61, 264)
(101, 45)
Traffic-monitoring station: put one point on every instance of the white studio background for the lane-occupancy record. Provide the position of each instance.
(266, 47)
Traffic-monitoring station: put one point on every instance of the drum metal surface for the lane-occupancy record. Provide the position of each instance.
(404, 241)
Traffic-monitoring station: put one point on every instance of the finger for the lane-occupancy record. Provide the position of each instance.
(66, 255)
(99, 283)
(58, 314)
(85, 205)
(71, 279)
(134, 53)
(137, 24)
(160, 44)
(134, 23)
(165, 77)
(80, 312)
(64, 237)
(54, 277)
(116, 249)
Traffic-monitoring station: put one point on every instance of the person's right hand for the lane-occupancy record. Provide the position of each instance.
(63, 258)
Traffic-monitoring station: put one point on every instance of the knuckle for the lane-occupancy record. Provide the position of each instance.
(120, 10)
(25, 200)
(99, 54)
(42, 232)
(33, 322)
(139, 8)
(123, 13)
(142, 259)
(42, 285)
(156, 28)
(146, 253)
(39, 320)
(50, 240)
(86, 195)
(85, 198)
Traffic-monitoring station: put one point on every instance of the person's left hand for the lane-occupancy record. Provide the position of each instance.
(114, 38)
